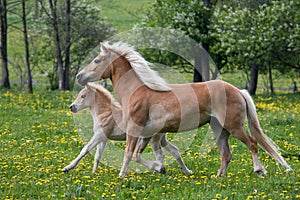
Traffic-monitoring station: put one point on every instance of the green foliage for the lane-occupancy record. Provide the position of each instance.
(38, 138)
(191, 17)
(266, 34)
(88, 29)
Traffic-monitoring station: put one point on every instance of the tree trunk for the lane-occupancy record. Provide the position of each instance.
(271, 79)
(59, 59)
(201, 68)
(5, 74)
(29, 77)
(68, 44)
(253, 79)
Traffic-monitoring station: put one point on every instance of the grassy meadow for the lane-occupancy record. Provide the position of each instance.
(38, 138)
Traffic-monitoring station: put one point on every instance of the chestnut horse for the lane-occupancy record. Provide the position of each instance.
(151, 106)
(107, 116)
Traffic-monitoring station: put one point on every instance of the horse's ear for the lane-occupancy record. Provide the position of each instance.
(104, 50)
(103, 47)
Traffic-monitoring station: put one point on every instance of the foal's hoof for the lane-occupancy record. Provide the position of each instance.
(65, 170)
(187, 171)
(261, 172)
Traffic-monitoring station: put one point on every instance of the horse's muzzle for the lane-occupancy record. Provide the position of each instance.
(73, 108)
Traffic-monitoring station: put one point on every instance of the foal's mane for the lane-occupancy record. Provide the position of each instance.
(141, 67)
(105, 92)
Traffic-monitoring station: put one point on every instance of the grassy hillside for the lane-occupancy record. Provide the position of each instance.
(124, 14)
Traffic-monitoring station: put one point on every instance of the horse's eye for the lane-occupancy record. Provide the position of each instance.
(83, 96)
(97, 61)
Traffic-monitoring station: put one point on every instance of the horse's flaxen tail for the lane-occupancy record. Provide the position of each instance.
(255, 130)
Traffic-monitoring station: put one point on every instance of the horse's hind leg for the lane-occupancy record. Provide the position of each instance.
(225, 152)
(221, 136)
(252, 145)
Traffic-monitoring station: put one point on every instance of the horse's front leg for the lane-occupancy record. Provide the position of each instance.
(96, 139)
(131, 142)
(98, 154)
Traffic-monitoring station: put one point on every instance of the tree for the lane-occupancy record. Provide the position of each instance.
(75, 29)
(192, 17)
(5, 74)
(250, 36)
(24, 21)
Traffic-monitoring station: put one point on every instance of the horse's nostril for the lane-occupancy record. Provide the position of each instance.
(71, 107)
(78, 76)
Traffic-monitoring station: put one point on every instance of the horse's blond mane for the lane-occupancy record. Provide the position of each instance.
(104, 91)
(148, 76)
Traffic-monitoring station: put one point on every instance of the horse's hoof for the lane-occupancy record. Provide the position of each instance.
(163, 170)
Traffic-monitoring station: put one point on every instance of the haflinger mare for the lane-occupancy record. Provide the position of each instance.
(152, 106)
(107, 116)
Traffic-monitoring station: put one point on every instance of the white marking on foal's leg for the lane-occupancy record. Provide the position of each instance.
(98, 155)
(152, 165)
(156, 147)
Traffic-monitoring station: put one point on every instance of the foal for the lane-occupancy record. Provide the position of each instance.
(107, 116)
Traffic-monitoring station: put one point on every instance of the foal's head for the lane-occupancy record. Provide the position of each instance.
(84, 99)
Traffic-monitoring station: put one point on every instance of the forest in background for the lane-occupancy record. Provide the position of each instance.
(47, 41)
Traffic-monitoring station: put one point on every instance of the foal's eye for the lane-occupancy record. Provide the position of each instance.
(83, 96)
(97, 61)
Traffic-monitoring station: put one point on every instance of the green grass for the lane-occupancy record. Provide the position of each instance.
(38, 138)
(124, 14)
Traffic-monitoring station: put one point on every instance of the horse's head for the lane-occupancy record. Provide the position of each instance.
(84, 100)
(98, 69)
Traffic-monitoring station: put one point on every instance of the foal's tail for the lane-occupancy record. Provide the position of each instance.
(255, 130)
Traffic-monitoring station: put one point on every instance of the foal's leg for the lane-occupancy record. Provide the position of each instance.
(98, 154)
(86, 149)
(156, 147)
(152, 165)
(252, 145)
(174, 151)
(221, 136)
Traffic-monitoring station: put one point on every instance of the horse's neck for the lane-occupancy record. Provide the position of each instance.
(124, 79)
